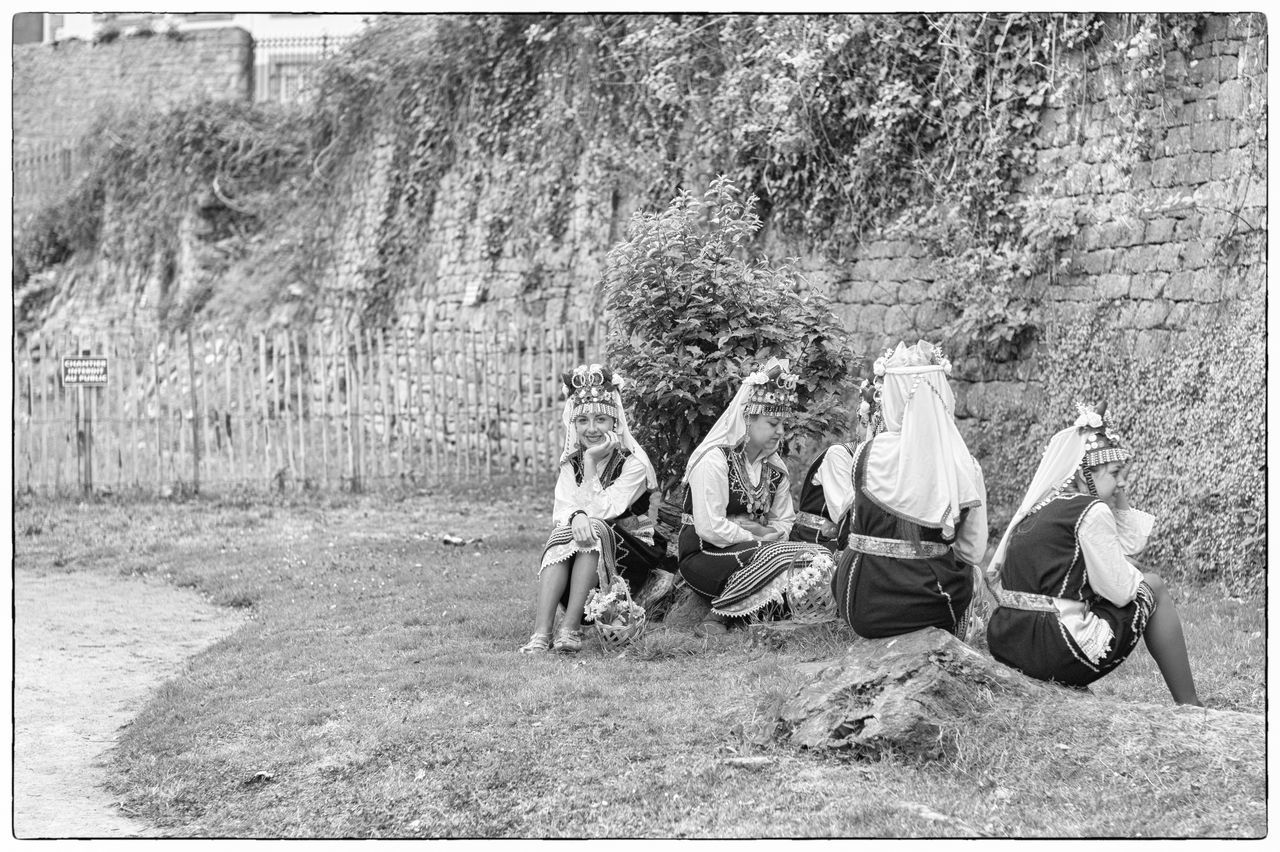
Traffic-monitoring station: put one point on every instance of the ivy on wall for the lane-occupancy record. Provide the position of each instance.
(840, 125)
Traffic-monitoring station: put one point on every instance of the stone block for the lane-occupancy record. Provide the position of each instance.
(1177, 140)
(1189, 228)
(898, 321)
(1168, 258)
(1094, 262)
(1162, 172)
(1179, 315)
(1182, 286)
(1151, 314)
(1159, 230)
(1147, 285)
(871, 320)
(1195, 254)
(913, 292)
(1232, 99)
(1135, 259)
(931, 317)
(1111, 286)
(1212, 136)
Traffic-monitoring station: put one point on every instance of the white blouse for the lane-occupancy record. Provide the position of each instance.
(835, 475)
(1106, 538)
(835, 478)
(709, 493)
(595, 499)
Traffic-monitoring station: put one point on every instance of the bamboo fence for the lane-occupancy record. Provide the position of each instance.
(331, 407)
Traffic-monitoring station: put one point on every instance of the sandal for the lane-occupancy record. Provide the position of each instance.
(711, 627)
(539, 643)
(569, 641)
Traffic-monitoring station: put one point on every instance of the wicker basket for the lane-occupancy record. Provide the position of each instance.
(616, 637)
(814, 605)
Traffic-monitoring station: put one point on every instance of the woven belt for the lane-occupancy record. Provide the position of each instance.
(815, 522)
(1024, 600)
(896, 547)
(686, 518)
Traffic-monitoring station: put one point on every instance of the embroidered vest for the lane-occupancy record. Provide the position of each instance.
(612, 469)
(1044, 552)
(744, 498)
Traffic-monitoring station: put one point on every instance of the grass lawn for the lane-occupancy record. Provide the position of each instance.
(376, 692)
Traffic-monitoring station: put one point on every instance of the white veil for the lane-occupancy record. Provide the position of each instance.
(625, 439)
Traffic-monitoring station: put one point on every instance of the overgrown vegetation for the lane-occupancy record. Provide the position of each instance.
(840, 125)
(690, 315)
(230, 173)
(376, 692)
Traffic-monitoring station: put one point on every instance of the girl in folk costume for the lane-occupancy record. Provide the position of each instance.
(738, 506)
(601, 511)
(919, 506)
(827, 491)
(1070, 605)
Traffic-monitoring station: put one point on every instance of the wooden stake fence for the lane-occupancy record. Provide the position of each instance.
(336, 407)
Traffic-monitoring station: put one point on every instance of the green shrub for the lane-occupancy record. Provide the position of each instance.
(1192, 413)
(689, 315)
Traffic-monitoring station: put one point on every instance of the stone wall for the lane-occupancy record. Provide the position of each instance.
(1153, 243)
(60, 89)
(1157, 240)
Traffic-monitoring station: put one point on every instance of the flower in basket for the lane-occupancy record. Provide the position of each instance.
(820, 568)
(612, 606)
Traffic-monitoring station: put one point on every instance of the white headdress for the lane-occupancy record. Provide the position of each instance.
(767, 391)
(594, 389)
(1085, 443)
(919, 467)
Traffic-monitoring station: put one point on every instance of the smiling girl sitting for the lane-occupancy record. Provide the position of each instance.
(1071, 606)
(601, 510)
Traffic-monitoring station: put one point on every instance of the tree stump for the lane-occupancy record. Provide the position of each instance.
(898, 694)
(913, 694)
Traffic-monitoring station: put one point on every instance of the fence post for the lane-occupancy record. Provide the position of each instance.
(195, 417)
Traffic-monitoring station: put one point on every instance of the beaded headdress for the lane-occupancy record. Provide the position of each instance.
(1101, 446)
(592, 389)
(771, 390)
(922, 355)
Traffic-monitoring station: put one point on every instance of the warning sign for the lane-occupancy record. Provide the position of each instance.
(84, 371)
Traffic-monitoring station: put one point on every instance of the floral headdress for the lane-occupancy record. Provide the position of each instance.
(592, 389)
(771, 390)
(1101, 446)
(922, 355)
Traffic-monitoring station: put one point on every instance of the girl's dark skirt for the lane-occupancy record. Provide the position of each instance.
(1036, 643)
(885, 596)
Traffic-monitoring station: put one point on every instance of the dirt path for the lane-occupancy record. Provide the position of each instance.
(88, 650)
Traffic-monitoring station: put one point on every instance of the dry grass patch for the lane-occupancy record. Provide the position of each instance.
(376, 692)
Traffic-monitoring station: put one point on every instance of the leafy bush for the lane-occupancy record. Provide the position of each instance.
(689, 315)
(1191, 412)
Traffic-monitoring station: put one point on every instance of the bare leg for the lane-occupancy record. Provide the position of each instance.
(550, 587)
(581, 581)
(1167, 645)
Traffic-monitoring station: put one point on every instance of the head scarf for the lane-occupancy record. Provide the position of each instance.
(625, 439)
(919, 467)
(731, 427)
(1062, 458)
